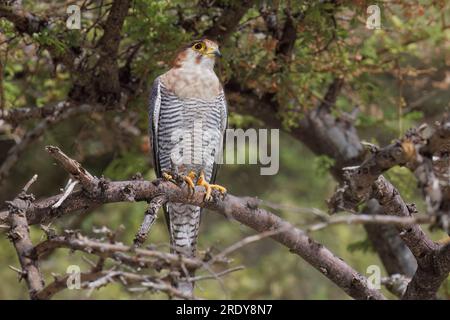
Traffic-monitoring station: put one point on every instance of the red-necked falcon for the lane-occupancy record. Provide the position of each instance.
(188, 118)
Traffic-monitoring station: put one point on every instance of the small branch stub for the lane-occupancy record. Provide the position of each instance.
(149, 219)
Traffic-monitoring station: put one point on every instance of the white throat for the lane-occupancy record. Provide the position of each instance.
(193, 78)
(195, 60)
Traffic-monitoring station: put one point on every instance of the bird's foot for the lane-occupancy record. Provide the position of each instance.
(189, 179)
(179, 178)
(168, 177)
(209, 187)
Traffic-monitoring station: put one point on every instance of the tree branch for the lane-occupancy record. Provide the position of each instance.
(325, 134)
(30, 23)
(95, 280)
(20, 236)
(149, 219)
(393, 204)
(108, 82)
(369, 219)
(244, 210)
(365, 181)
(395, 255)
(75, 169)
(432, 270)
(16, 116)
(24, 21)
(229, 20)
(140, 258)
(61, 111)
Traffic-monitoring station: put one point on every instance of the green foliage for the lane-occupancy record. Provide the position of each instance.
(413, 116)
(403, 179)
(126, 165)
(386, 72)
(365, 121)
(323, 164)
(47, 38)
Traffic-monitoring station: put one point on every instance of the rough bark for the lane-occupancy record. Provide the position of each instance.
(244, 210)
(365, 181)
(336, 138)
(226, 24)
(384, 238)
(19, 234)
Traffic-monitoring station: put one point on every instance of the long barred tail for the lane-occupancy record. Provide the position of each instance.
(184, 222)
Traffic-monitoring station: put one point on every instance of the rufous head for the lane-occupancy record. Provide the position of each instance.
(199, 53)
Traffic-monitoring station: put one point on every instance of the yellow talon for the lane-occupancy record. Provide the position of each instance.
(167, 176)
(208, 187)
(189, 180)
(221, 189)
(192, 175)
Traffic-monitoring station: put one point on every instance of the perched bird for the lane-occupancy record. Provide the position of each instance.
(188, 118)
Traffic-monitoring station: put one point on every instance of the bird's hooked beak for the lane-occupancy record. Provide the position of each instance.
(214, 52)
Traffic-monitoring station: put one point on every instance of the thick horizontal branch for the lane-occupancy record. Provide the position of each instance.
(244, 210)
(70, 108)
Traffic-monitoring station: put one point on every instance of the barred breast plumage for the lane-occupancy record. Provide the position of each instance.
(187, 128)
(188, 117)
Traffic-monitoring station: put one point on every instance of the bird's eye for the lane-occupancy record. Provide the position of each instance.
(198, 46)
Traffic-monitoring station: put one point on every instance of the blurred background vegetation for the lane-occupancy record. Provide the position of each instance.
(397, 76)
